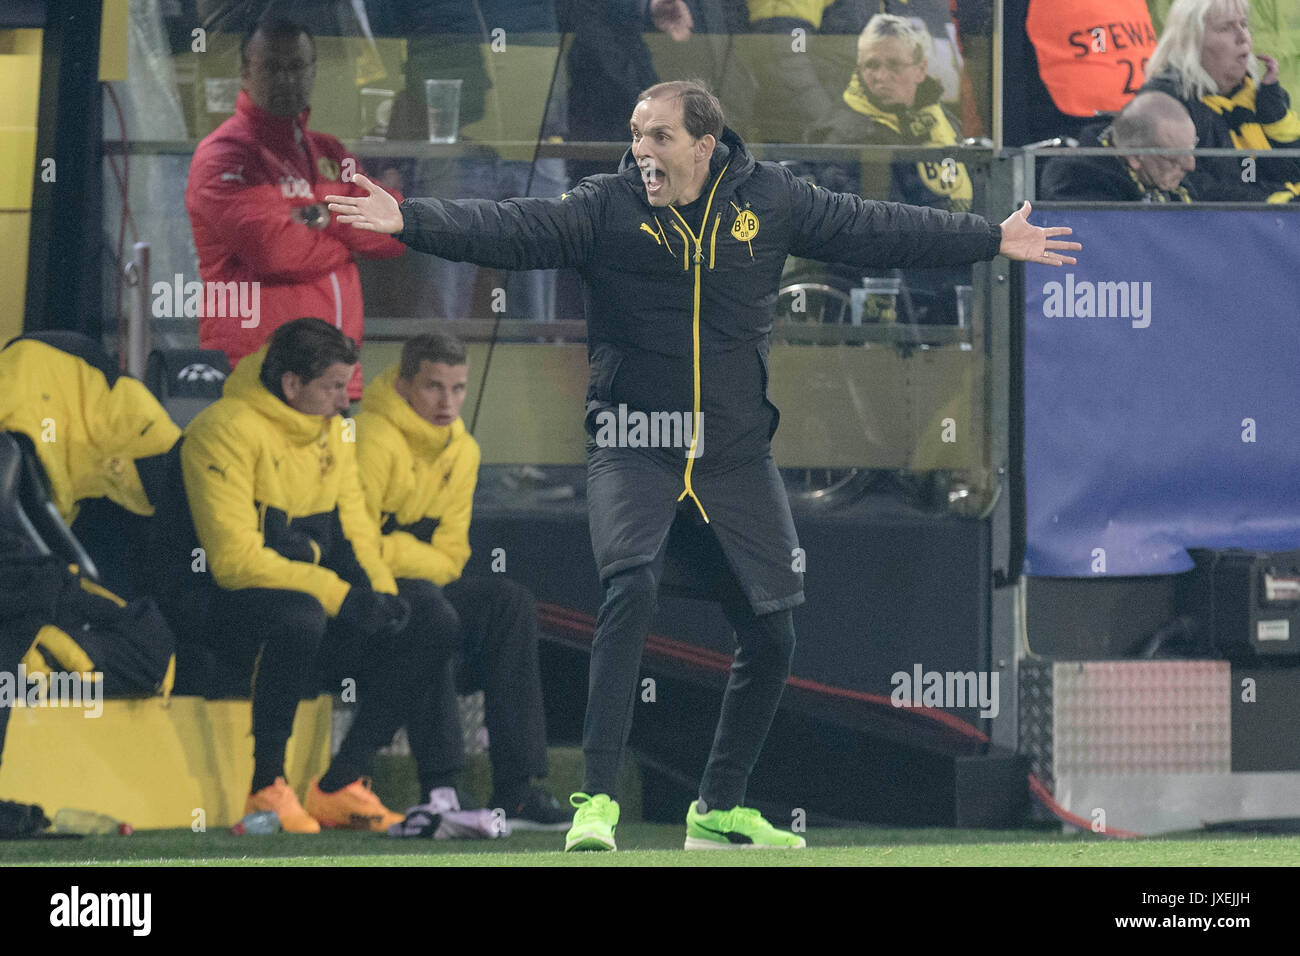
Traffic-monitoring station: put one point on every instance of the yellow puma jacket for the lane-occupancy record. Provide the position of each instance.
(419, 483)
(248, 458)
(89, 424)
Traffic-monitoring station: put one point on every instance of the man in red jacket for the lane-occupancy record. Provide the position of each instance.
(253, 204)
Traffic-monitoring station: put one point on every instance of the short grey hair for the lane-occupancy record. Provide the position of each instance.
(1180, 44)
(886, 26)
(1138, 124)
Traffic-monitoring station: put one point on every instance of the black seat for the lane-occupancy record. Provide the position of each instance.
(186, 381)
(26, 508)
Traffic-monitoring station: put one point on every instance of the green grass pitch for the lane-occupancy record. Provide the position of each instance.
(642, 844)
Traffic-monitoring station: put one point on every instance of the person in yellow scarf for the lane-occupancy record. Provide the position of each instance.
(1206, 59)
(891, 100)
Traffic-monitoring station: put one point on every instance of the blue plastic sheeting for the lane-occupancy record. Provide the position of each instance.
(1162, 391)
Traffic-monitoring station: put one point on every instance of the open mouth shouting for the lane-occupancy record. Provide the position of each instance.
(652, 176)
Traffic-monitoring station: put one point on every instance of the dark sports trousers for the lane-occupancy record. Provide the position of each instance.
(765, 646)
(498, 628)
(290, 648)
(16, 636)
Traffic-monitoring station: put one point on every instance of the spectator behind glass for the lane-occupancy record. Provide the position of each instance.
(609, 64)
(781, 94)
(892, 101)
(964, 95)
(1149, 120)
(451, 39)
(261, 234)
(1206, 60)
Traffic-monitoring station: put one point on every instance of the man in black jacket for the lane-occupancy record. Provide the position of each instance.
(1149, 120)
(681, 255)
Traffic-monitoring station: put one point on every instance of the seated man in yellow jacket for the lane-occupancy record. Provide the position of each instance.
(270, 475)
(418, 467)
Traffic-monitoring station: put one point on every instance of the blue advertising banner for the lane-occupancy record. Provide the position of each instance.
(1162, 391)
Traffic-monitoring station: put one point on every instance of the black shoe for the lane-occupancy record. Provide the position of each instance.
(539, 811)
(21, 821)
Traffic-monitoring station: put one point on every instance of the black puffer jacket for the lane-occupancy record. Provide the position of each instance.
(662, 284)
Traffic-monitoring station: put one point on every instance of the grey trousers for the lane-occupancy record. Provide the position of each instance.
(765, 645)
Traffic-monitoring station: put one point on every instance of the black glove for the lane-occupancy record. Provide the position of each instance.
(290, 544)
(368, 613)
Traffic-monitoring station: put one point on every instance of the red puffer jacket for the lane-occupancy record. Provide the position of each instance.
(245, 179)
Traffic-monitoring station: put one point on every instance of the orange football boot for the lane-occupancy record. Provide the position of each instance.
(355, 807)
(280, 797)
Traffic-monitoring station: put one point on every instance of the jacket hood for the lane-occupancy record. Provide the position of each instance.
(428, 440)
(244, 385)
(730, 154)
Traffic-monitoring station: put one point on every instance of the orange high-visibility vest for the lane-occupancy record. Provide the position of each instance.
(1092, 54)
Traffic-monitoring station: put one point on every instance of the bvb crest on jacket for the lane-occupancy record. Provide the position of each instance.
(746, 225)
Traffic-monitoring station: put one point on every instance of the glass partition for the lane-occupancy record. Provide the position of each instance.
(882, 376)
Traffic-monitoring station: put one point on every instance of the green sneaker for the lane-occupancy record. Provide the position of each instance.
(740, 828)
(593, 823)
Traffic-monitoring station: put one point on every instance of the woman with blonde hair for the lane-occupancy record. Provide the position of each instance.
(1205, 58)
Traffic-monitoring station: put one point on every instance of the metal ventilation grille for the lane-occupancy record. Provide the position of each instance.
(1035, 716)
(1138, 717)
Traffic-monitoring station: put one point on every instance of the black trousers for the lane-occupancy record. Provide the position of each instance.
(281, 646)
(498, 628)
(765, 646)
(16, 637)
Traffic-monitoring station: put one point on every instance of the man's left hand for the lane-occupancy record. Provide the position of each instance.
(1028, 243)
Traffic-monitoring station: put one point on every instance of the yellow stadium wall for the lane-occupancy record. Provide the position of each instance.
(152, 762)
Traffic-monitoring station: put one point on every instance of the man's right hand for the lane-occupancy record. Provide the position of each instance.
(375, 212)
(367, 613)
(672, 17)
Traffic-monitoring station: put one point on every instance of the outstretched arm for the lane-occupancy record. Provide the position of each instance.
(523, 233)
(1029, 243)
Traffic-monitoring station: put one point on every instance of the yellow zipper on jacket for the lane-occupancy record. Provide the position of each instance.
(686, 247)
(663, 232)
(695, 338)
